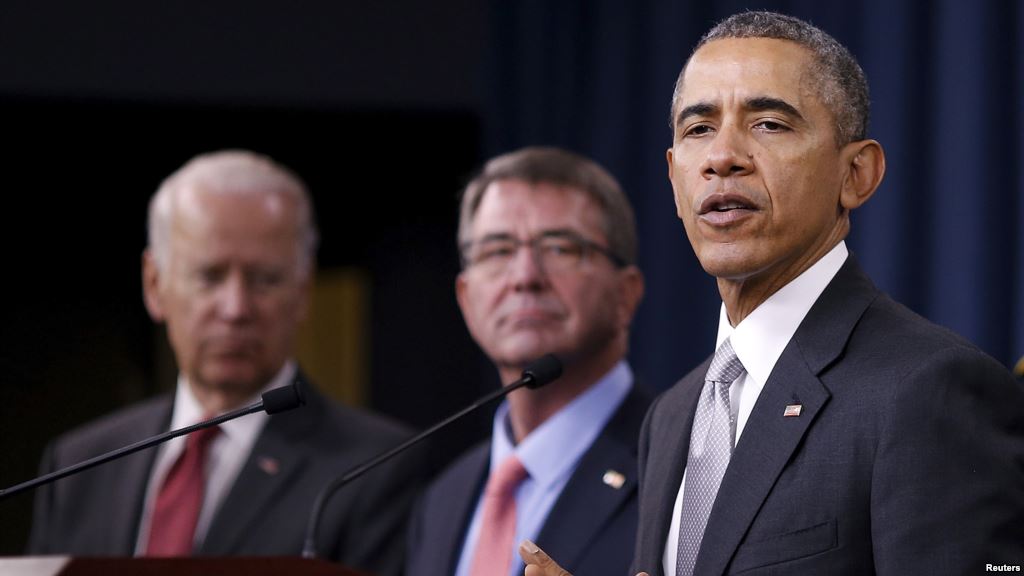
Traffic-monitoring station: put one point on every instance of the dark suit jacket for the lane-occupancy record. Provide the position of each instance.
(908, 456)
(265, 513)
(585, 528)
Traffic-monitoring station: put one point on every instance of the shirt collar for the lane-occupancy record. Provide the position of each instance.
(761, 337)
(551, 451)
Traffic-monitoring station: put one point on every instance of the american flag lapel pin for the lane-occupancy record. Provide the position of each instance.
(269, 465)
(793, 410)
(614, 478)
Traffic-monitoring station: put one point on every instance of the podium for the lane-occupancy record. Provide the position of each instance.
(249, 566)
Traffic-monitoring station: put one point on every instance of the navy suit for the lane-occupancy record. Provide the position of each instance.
(97, 512)
(907, 456)
(585, 529)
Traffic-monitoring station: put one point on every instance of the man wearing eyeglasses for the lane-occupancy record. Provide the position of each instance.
(548, 246)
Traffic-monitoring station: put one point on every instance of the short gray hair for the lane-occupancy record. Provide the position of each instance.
(841, 81)
(549, 165)
(232, 171)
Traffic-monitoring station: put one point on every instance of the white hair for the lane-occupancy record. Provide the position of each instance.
(231, 171)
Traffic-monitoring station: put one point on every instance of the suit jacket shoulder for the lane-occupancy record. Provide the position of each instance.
(97, 511)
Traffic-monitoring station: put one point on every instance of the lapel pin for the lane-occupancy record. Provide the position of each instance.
(793, 410)
(268, 465)
(614, 478)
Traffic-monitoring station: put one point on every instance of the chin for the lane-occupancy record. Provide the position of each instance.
(246, 380)
(728, 262)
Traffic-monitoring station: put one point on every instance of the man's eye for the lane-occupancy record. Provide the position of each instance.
(496, 252)
(209, 276)
(770, 126)
(266, 279)
(698, 130)
(561, 248)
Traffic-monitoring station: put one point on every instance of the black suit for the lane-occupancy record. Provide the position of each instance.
(907, 457)
(585, 528)
(265, 512)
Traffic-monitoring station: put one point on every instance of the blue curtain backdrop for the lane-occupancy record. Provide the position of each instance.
(942, 235)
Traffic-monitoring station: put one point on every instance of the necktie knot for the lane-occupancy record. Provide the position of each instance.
(506, 477)
(200, 439)
(725, 366)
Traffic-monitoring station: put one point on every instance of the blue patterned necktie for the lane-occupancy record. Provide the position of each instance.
(711, 442)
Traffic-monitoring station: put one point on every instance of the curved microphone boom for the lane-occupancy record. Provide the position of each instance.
(536, 374)
(272, 402)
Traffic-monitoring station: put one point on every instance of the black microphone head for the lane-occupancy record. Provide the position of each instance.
(283, 399)
(542, 371)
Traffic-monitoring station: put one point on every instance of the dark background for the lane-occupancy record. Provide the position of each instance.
(386, 108)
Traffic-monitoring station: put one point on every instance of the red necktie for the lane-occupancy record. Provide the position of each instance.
(172, 525)
(493, 554)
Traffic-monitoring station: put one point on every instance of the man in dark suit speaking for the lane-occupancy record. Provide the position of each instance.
(230, 259)
(833, 431)
(548, 247)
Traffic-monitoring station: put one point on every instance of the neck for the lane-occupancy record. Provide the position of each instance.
(742, 296)
(218, 400)
(529, 409)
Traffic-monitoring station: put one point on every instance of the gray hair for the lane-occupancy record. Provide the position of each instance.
(842, 86)
(231, 171)
(549, 165)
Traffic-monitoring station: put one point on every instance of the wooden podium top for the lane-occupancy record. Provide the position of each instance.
(250, 566)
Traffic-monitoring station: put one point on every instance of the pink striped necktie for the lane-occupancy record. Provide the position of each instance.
(172, 526)
(493, 554)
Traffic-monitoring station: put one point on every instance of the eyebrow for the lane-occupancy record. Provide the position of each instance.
(698, 109)
(764, 103)
(756, 104)
(549, 233)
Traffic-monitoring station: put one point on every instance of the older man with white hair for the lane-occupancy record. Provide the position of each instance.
(228, 267)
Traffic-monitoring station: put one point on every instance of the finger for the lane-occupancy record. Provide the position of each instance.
(538, 563)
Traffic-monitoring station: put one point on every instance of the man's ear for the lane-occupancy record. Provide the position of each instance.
(864, 161)
(632, 291)
(307, 284)
(151, 286)
(460, 293)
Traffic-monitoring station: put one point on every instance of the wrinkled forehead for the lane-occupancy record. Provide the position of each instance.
(521, 208)
(737, 69)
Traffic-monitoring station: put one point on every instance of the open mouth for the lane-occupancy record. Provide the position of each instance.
(724, 203)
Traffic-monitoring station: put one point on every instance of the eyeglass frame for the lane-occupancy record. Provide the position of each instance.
(587, 246)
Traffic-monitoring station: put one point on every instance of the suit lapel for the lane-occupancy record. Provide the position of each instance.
(669, 441)
(129, 484)
(769, 438)
(276, 457)
(588, 502)
(455, 510)
(768, 441)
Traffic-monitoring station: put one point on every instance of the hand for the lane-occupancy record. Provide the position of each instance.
(538, 563)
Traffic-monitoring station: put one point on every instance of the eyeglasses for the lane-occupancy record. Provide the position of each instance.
(554, 251)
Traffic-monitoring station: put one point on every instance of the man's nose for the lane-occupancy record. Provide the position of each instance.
(728, 153)
(526, 271)
(235, 297)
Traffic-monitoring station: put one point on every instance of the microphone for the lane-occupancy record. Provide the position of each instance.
(273, 402)
(535, 375)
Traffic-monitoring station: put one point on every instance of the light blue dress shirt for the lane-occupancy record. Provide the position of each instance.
(549, 454)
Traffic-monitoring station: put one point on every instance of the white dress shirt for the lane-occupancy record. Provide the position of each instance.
(758, 342)
(228, 452)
